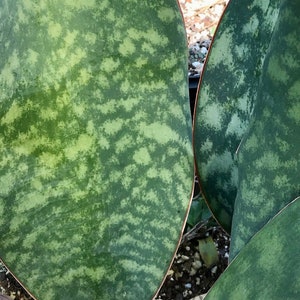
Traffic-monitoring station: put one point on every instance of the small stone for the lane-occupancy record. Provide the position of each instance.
(185, 294)
(185, 258)
(196, 64)
(188, 285)
(193, 271)
(205, 44)
(214, 270)
(203, 50)
(197, 256)
(197, 264)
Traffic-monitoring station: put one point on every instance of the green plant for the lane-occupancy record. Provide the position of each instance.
(95, 145)
(96, 166)
(228, 91)
(268, 266)
(266, 156)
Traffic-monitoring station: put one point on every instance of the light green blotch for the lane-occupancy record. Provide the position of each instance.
(141, 62)
(125, 218)
(126, 86)
(148, 48)
(80, 4)
(166, 14)
(123, 143)
(294, 113)
(111, 127)
(81, 171)
(63, 100)
(91, 38)
(48, 114)
(263, 5)
(276, 72)
(136, 268)
(218, 163)
(22, 17)
(12, 65)
(16, 223)
(142, 156)
(251, 143)
(32, 200)
(32, 57)
(176, 111)
(251, 26)
(169, 63)
(50, 160)
(154, 86)
(222, 52)
(7, 183)
(109, 64)
(156, 38)
(84, 76)
(292, 40)
(30, 239)
(166, 175)
(126, 241)
(159, 132)
(37, 184)
(14, 113)
(130, 103)
(207, 146)
(84, 144)
(236, 126)
(54, 30)
(269, 161)
(213, 116)
(2, 208)
(70, 37)
(127, 47)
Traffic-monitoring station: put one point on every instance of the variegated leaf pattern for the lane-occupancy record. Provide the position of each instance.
(269, 157)
(96, 165)
(226, 98)
(268, 267)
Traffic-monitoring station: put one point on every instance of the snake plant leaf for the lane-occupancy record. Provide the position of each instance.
(268, 267)
(228, 89)
(269, 156)
(96, 166)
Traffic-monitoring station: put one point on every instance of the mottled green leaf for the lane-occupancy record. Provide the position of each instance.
(269, 156)
(226, 98)
(268, 267)
(96, 164)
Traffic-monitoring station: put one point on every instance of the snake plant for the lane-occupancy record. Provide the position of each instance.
(96, 167)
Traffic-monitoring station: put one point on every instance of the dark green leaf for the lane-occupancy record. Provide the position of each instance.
(96, 163)
(269, 157)
(268, 267)
(226, 98)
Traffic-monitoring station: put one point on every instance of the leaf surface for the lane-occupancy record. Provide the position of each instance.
(226, 97)
(269, 156)
(268, 267)
(96, 165)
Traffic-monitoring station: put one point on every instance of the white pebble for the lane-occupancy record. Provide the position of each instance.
(187, 285)
(203, 50)
(196, 64)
